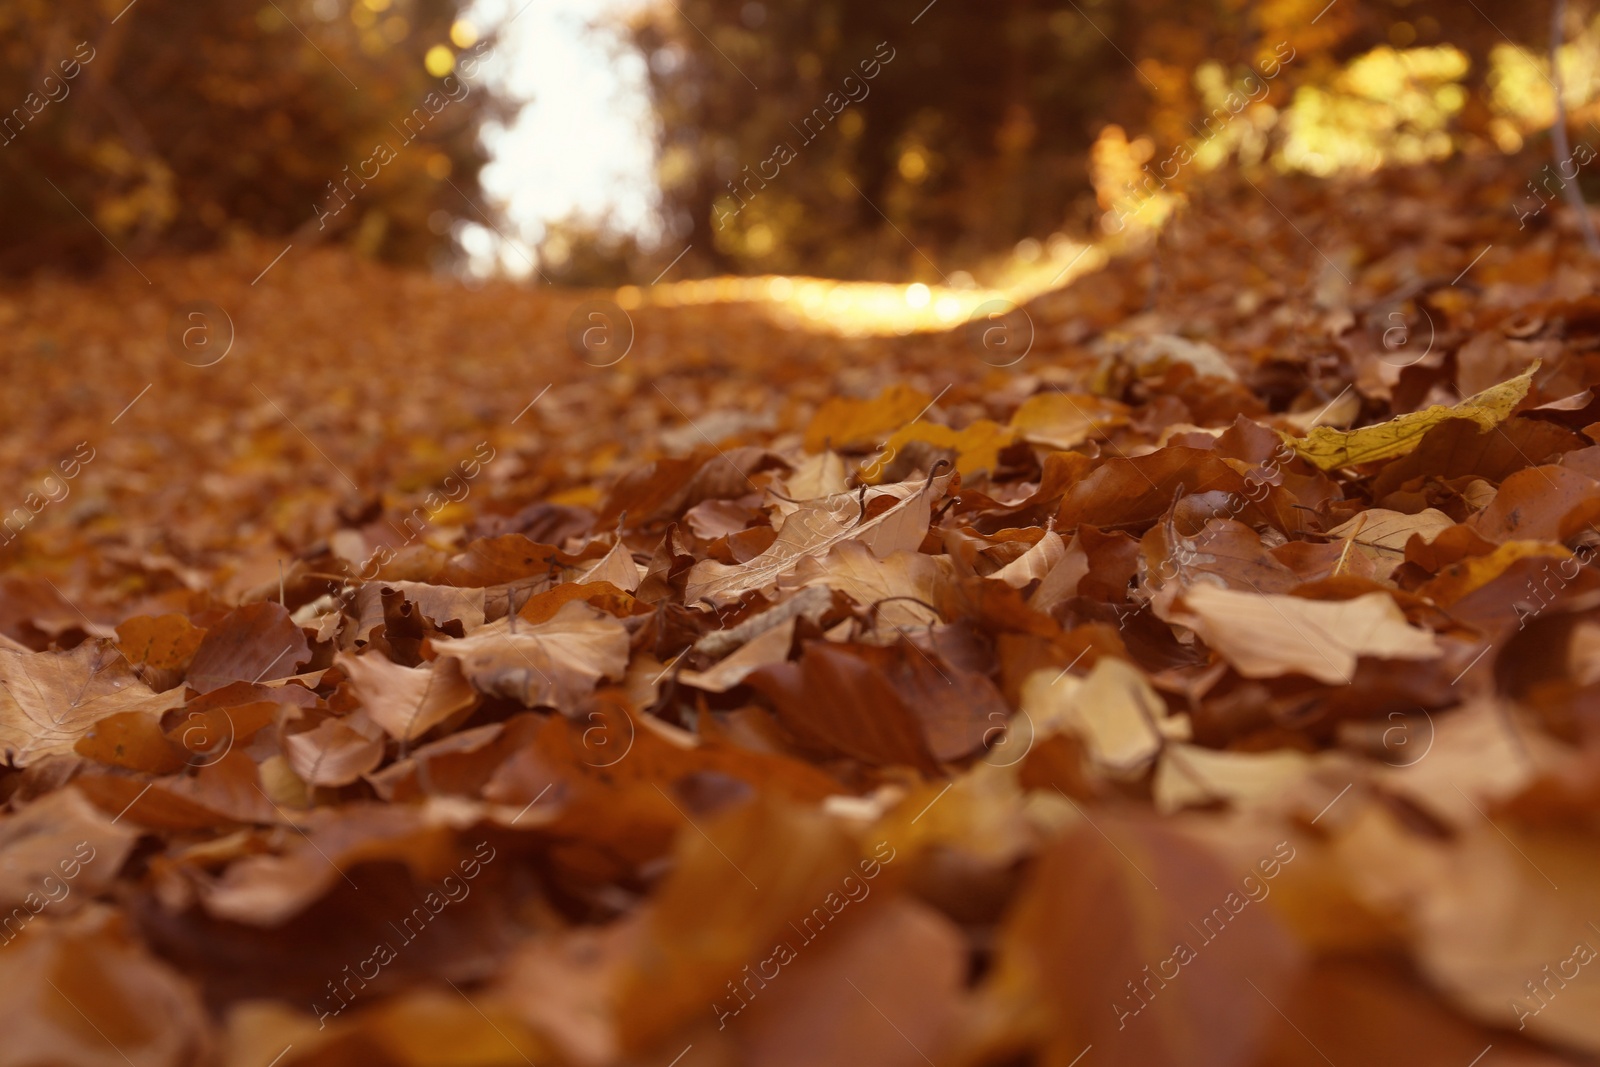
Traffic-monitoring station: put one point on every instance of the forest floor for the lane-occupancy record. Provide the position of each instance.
(395, 673)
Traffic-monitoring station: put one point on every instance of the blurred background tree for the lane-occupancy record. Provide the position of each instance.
(987, 131)
(978, 134)
(190, 122)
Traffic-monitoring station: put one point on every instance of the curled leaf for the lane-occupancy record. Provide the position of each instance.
(1329, 448)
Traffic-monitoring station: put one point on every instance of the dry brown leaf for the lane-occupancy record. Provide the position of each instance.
(57, 853)
(337, 751)
(222, 793)
(899, 587)
(542, 607)
(1130, 938)
(1035, 563)
(86, 991)
(1540, 504)
(1114, 710)
(407, 701)
(1190, 775)
(897, 704)
(267, 890)
(167, 642)
(1382, 534)
(258, 642)
(819, 525)
(765, 865)
(1137, 491)
(445, 604)
(134, 740)
(615, 567)
(1500, 919)
(769, 647)
(904, 962)
(1264, 635)
(1474, 572)
(556, 663)
(48, 700)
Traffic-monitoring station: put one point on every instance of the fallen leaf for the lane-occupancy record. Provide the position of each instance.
(1458, 448)
(1264, 635)
(48, 700)
(1540, 504)
(542, 607)
(1155, 351)
(1137, 491)
(134, 740)
(1066, 420)
(337, 751)
(1382, 534)
(882, 705)
(816, 527)
(905, 962)
(1474, 572)
(267, 890)
(766, 865)
(1114, 710)
(556, 663)
(561, 985)
(1035, 563)
(442, 603)
(768, 648)
(617, 568)
(1330, 449)
(976, 447)
(845, 423)
(167, 642)
(810, 603)
(1132, 939)
(57, 854)
(491, 561)
(86, 991)
(1190, 775)
(222, 793)
(1372, 1012)
(898, 587)
(407, 701)
(254, 643)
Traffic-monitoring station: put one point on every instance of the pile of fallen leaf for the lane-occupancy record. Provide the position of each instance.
(1201, 667)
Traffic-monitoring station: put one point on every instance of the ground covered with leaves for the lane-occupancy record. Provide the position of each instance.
(1197, 667)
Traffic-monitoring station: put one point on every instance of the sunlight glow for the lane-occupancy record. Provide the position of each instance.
(581, 148)
(581, 144)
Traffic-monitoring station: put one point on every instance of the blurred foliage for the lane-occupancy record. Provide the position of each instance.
(172, 125)
(794, 136)
(977, 134)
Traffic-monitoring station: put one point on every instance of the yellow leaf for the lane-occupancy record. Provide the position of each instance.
(582, 496)
(1474, 572)
(977, 447)
(844, 422)
(1062, 420)
(1328, 448)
